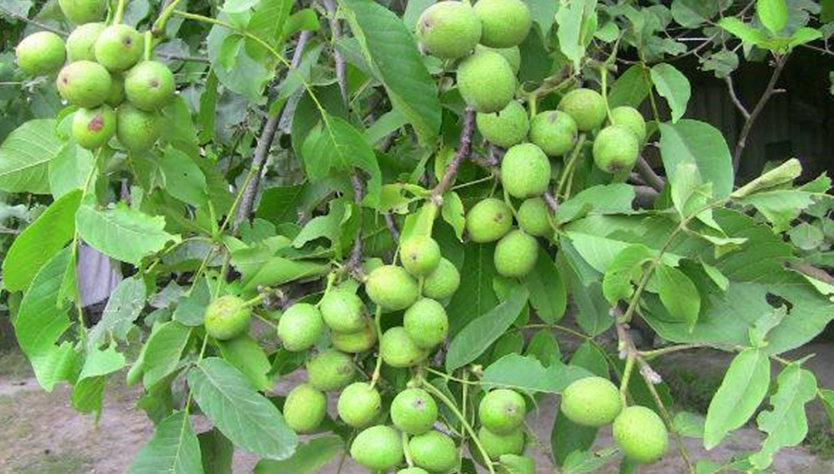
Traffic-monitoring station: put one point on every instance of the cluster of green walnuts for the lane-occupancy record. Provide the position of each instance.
(105, 71)
(485, 39)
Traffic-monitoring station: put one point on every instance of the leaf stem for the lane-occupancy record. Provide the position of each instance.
(120, 12)
(378, 329)
(570, 164)
(467, 427)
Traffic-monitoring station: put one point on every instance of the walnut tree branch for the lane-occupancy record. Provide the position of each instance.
(38, 24)
(780, 62)
(648, 174)
(732, 90)
(336, 31)
(265, 144)
(464, 151)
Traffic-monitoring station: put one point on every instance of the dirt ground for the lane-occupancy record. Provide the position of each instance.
(42, 434)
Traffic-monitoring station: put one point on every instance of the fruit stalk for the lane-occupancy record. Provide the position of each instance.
(454, 409)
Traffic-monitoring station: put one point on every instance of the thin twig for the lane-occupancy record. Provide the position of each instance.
(392, 227)
(464, 151)
(336, 31)
(265, 144)
(780, 62)
(551, 202)
(178, 57)
(648, 174)
(732, 90)
(40, 25)
(355, 261)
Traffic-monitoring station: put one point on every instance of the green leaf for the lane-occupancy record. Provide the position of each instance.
(600, 199)
(544, 347)
(806, 236)
(474, 339)
(453, 213)
(743, 31)
(267, 22)
(689, 424)
(543, 13)
(672, 85)
(250, 359)
(698, 143)
(88, 395)
(69, 169)
(41, 322)
(40, 241)
(249, 76)
(163, 351)
(631, 88)
(513, 464)
(182, 178)
(101, 362)
(248, 419)
(527, 374)
(547, 290)
(281, 204)
(327, 226)
(217, 452)
(589, 357)
(124, 306)
(786, 424)
(173, 449)
(391, 50)
(573, 18)
(476, 295)
(740, 394)
(678, 294)
(335, 145)
(773, 14)
(592, 308)
(123, 233)
(780, 206)
(25, 157)
(567, 437)
(693, 13)
(583, 462)
(191, 308)
(258, 269)
(785, 173)
(309, 458)
(626, 267)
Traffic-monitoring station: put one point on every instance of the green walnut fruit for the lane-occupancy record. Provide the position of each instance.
(532, 217)
(84, 84)
(592, 401)
(512, 55)
(413, 470)
(433, 451)
(354, 342)
(343, 311)
(586, 107)
(300, 327)
(136, 129)
(83, 11)
(117, 91)
(630, 118)
(359, 405)
(420, 255)
(615, 149)
(41, 53)
(515, 255)
(443, 282)
(398, 350)
(497, 445)
(119, 47)
(150, 85)
(555, 132)
(502, 411)
(426, 323)
(414, 411)
(489, 220)
(81, 42)
(305, 409)
(92, 128)
(641, 435)
(227, 317)
(378, 448)
(392, 287)
(525, 171)
(449, 29)
(505, 128)
(505, 23)
(329, 371)
(486, 81)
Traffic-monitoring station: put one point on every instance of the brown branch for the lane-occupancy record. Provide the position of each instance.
(732, 90)
(392, 226)
(355, 261)
(265, 144)
(649, 176)
(40, 25)
(464, 151)
(336, 31)
(644, 196)
(551, 202)
(780, 62)
(178, 57)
